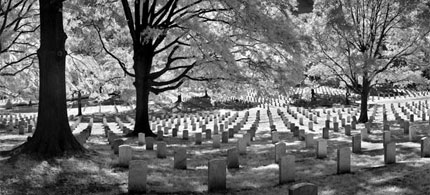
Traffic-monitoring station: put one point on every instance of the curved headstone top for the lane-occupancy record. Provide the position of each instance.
(303, 189)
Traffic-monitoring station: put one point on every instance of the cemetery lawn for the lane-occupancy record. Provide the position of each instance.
(97, 172)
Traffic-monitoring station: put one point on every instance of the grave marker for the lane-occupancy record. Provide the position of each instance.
(125, 154)
(327, 124)
(412, 135)
(161, 150)
(160, 135)
(280, 151)
(217, 175)
(149, 143)
(215, 129)
(275, 137)
(174, 132)
(356, 143)
(180, 158)
(137, 176)
(302, 135)
(321, 149)
(216, 141)
(286, 169)
(367, 126)
(230, 133)
(21, 130)
(325, 133)
(115, 145)
(241, 146)
(232, 158)
(425, 147)
(224, 137)
(343, 160)
(198, 137)
(208, 134)
(141, 139)
(336, 127)
(185, 134)
(390, 153)
(296, 131)
(348, 130)
(303, 189)
(309, 140)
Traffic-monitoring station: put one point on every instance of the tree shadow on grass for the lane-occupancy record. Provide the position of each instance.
(67, 175)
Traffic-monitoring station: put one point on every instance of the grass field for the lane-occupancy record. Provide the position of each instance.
(97, 172)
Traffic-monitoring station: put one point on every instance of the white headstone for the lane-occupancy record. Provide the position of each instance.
(125, 154)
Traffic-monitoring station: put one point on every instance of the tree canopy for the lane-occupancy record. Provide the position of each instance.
(356, 41)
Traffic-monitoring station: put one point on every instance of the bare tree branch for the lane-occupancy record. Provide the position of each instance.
(160, 90)
(121, 64)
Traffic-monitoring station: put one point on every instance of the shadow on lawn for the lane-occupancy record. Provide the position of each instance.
(85, 174)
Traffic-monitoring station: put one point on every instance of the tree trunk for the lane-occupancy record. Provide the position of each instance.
(53, 136)
(313, 95)
(364, 97)
(142, 117)
(142, 64)
(79, 104)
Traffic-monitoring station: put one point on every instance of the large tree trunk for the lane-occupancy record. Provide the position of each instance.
(142, 64)
(142, 117)
(79, 103)
(53, 136)
(364, 97)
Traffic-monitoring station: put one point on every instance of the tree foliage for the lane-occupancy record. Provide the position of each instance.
(18, 27)
(208, 41)
(245, 42)
(359, 40)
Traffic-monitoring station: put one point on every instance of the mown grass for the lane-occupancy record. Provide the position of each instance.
(97, 172)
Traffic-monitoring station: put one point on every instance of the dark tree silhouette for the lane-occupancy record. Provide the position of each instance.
(204, 40)
(53, 136)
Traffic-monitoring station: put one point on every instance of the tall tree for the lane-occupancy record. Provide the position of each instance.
(359, 40)
(53, 135)
(174, 41)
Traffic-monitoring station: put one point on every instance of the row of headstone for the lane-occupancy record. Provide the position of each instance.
(217, 177)
(22, 124)
(343, 157)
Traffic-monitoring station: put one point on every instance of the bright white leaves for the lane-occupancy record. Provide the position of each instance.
(360, 39)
